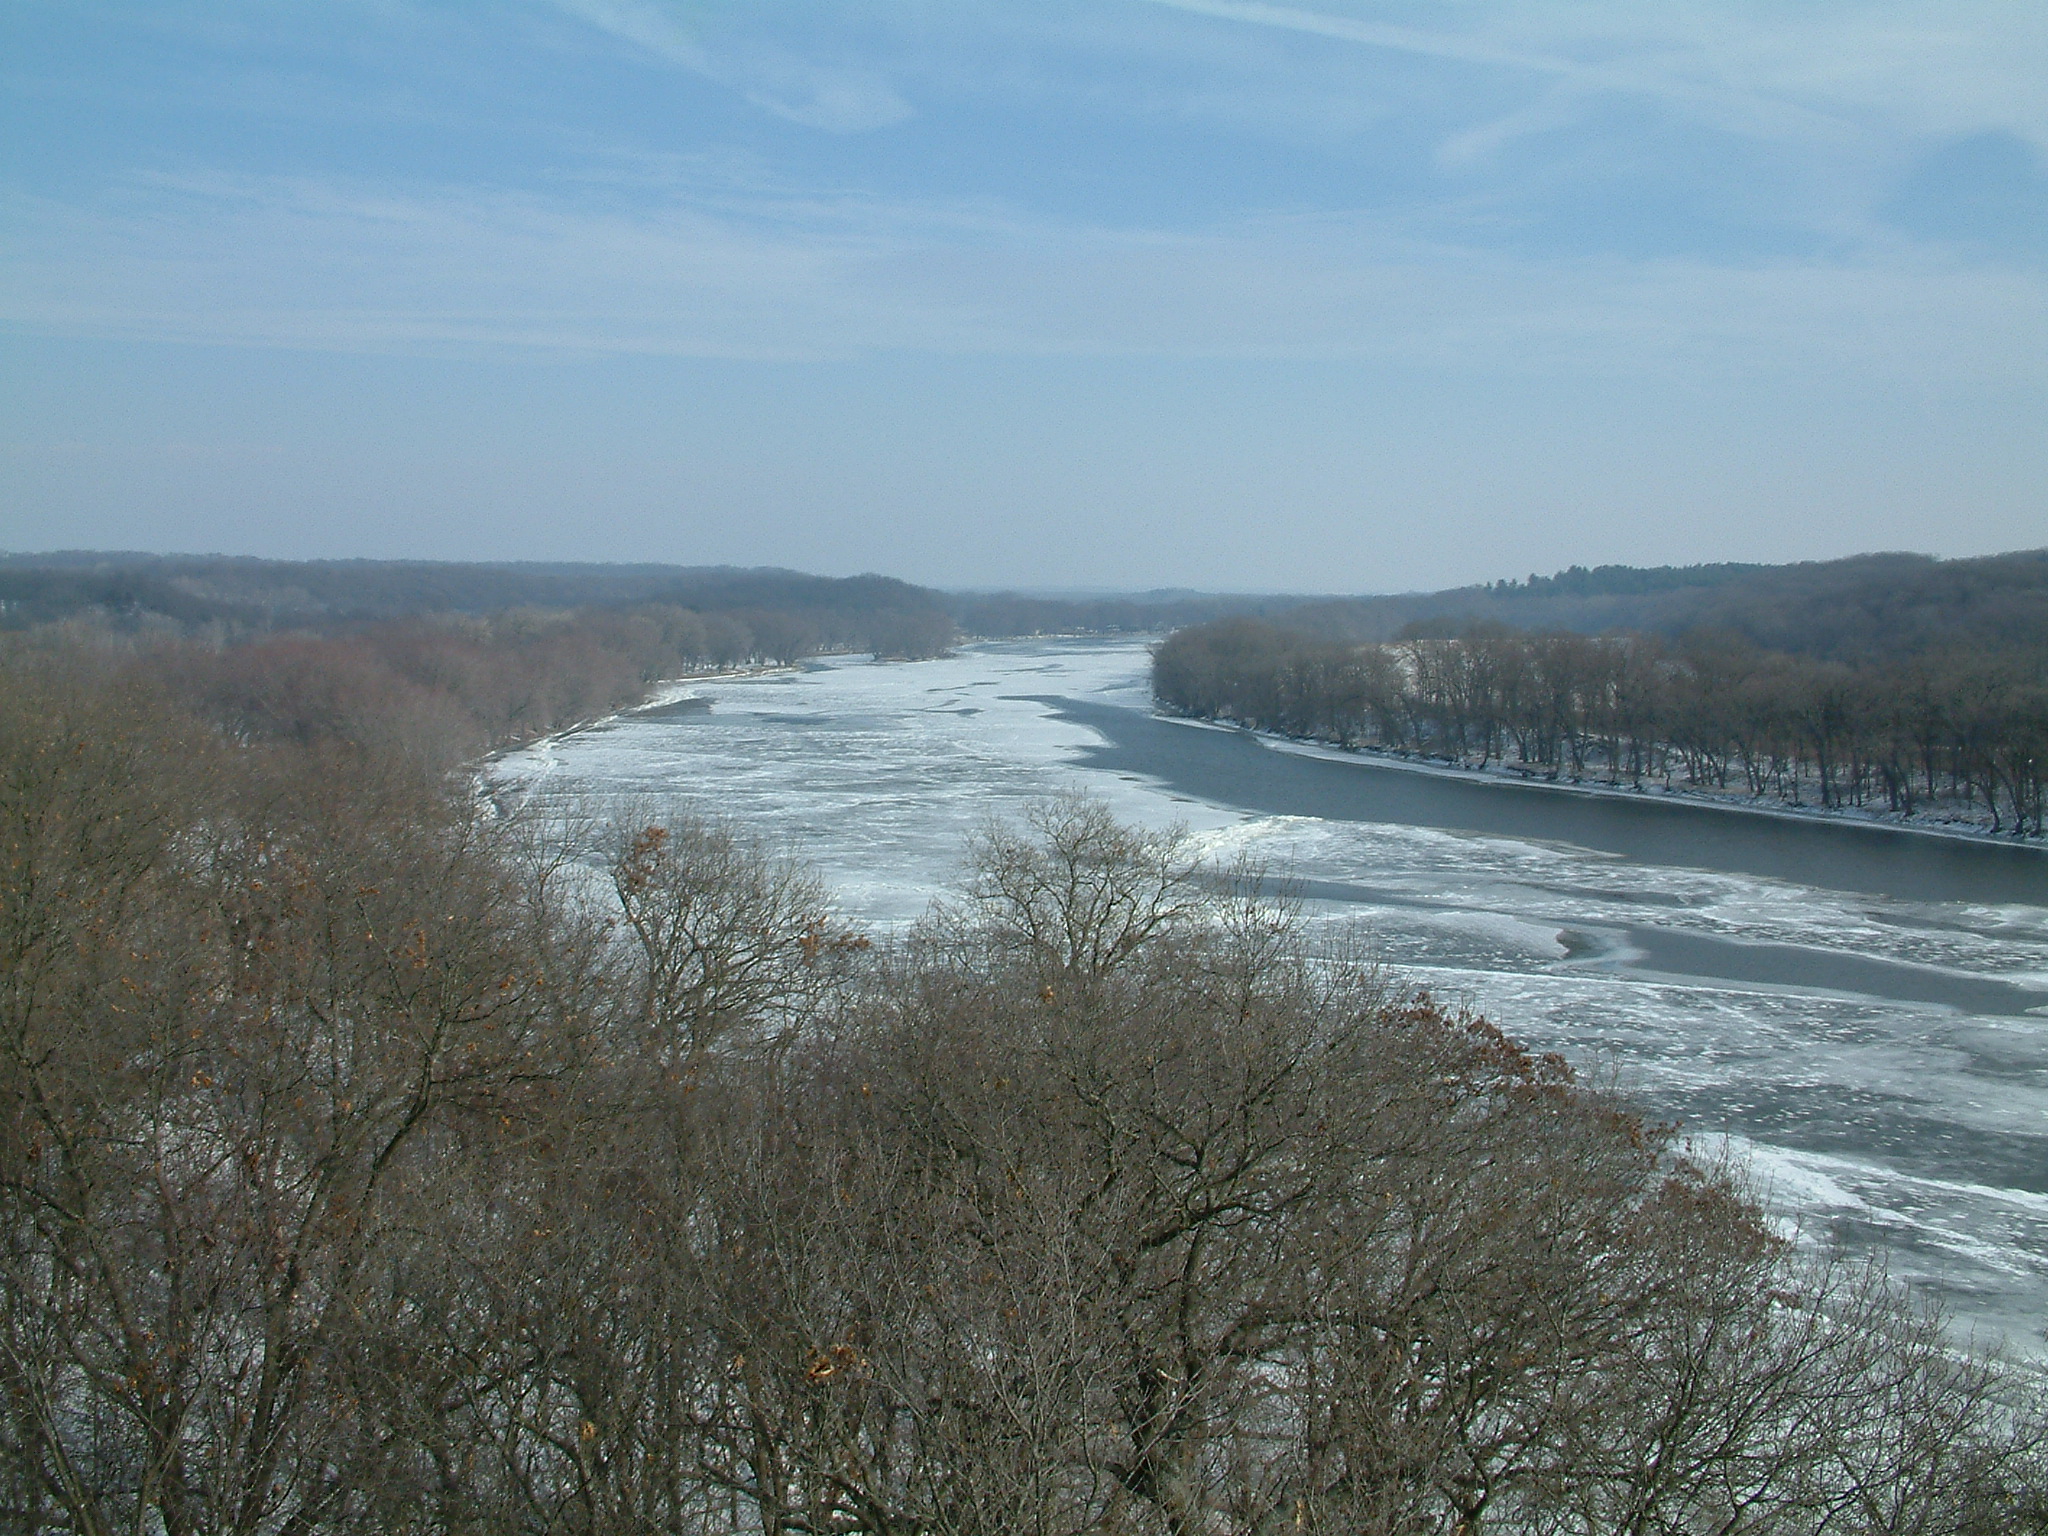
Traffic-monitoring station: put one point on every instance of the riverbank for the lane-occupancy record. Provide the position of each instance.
(664, 694)
(1691, 795)
(1262, 776)
(670, 693)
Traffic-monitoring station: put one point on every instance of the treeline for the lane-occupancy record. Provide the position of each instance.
(1890, 606)
(441, 690)
(1002, 614)
(368, 1164)
(433, 659)
(224, 598)
(230, 598)
(1953, 733)
(1870, 607)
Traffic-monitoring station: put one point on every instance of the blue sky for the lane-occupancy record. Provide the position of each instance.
(1342, 296)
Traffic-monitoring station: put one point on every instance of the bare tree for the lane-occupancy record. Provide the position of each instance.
(1076, 891)
(727, 936)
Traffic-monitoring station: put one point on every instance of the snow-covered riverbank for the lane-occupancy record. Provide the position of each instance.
(1734, 802)
(538, 756)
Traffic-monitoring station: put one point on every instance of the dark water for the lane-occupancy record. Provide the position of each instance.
(1236, 768)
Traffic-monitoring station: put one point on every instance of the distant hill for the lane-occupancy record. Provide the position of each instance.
(1016, 613)
(235, 595)
(266, 594)
(1862, 608)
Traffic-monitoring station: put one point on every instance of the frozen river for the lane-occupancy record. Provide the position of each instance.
(1863, 1014)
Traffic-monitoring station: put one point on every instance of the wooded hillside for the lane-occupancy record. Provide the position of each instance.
(1914, 687)
(228, 599)
(1859, 610)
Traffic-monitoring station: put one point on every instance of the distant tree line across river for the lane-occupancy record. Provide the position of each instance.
(1938, 708)
(457, 659)
(1856, 610)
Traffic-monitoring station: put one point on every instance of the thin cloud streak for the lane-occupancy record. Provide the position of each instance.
(1737, 111)
(839, 101)
(1774, 75)
(1433, 45)
(312, 264)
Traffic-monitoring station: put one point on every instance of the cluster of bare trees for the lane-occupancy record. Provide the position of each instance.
(719, 613)
(447, 685)
(1954, 734)
(444, 688)
(367, 1165)
(453, 685)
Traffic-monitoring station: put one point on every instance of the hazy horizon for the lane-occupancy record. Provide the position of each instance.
(1132, 294)
(1076, 593)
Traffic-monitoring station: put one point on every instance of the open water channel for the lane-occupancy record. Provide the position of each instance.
(1861, 1013)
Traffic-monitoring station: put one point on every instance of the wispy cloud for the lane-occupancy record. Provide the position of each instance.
(841, 100)
(307, 263)
(1769, 71)
(1431, 44)
(1519, 261)
(693, 248)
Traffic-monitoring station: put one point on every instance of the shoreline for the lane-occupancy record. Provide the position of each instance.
(1805, 815)
(668, 692)
(665, 693)
(658, 696)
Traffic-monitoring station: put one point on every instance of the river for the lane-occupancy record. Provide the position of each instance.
(1861, 1014)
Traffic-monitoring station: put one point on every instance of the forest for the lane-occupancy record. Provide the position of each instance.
(1863, 608)
(1869, 606)
(776, 613)
(226, 598)
(1952, 732)
(387, 655)
(371, 1161)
